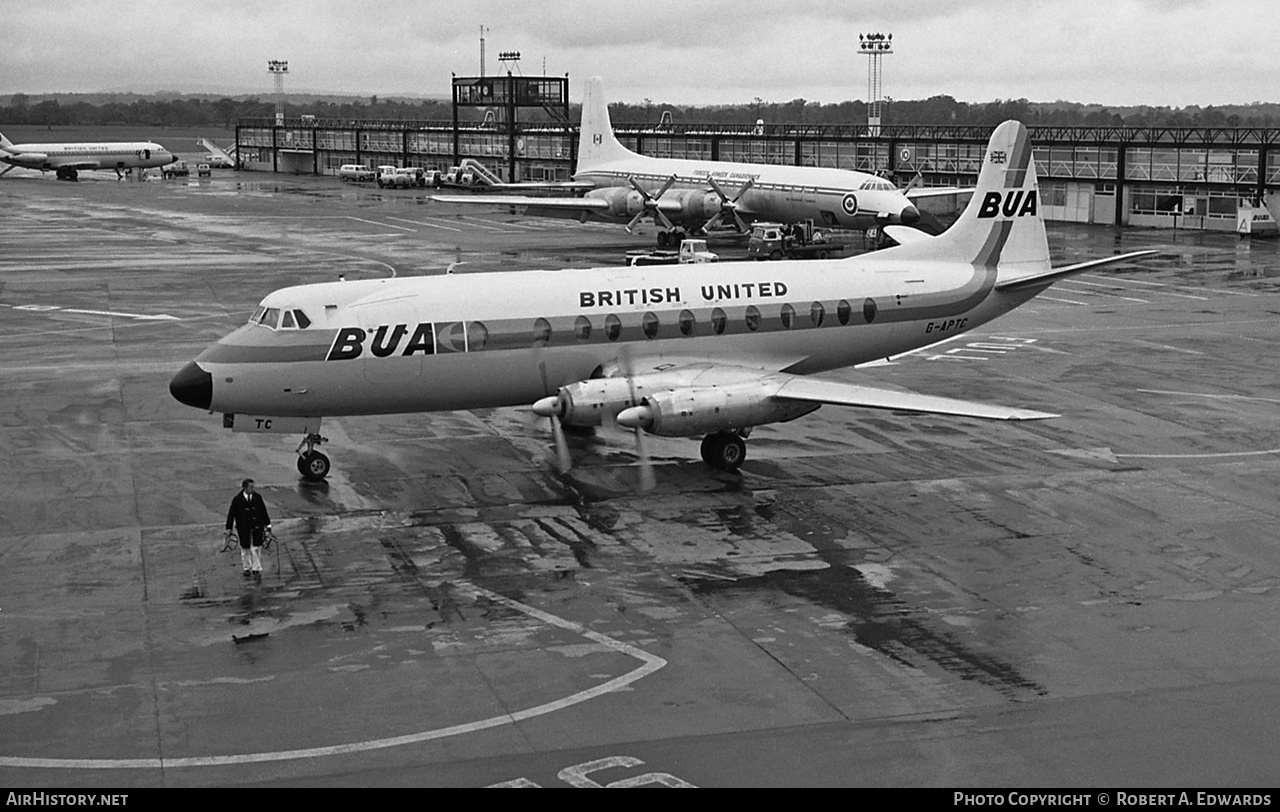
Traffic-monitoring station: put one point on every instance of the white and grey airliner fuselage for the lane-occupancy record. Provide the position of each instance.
(686, 194)
(837, 198)
(415, 344)
(68, 159)
(714, 349)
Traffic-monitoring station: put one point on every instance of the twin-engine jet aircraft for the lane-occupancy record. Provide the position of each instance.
(687, 195)
(67, 160)
(711, 349)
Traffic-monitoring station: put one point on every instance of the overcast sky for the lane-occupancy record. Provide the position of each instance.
(1120, 52)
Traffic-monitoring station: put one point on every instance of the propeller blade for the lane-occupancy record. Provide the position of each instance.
(647, 481)
(563, 461)
(665, 187)
(740, 223)
(715, 218)
(750, 182)
(718, 190)
(634, 220)
(658, 216)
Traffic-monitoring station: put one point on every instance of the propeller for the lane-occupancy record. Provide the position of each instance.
(728, 205)
(647, 482)
(649, 204)
(550, 407)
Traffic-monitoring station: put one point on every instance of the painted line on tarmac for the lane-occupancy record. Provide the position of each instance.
(423, 223)
(1220, 455)
(1056, 299)
(376, 223)
(650, 663)
(1205, 395)
(1114, 286)
(1117, 280)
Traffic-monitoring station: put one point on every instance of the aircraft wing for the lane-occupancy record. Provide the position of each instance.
(920, 192)
(79, 165)
(588, 204)
(549, 186)
(1046, 278)
(822, 390)
(669, 373)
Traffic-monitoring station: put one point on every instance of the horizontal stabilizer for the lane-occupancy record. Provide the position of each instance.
(905, 235)
(1046, 278)
(820, 390)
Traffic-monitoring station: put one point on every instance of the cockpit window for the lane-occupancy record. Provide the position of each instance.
(303, 321)
(271, 318)
(882, 185)
(257, 314)
(287, 322)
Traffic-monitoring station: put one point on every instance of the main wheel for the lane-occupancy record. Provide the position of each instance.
(724, 451)
(313, 466)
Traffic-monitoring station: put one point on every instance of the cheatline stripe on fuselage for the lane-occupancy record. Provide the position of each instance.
(520, 334)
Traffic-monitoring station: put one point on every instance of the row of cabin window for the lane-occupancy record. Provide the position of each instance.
(686, 321)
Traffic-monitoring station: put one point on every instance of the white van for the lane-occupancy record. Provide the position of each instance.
(357, 172)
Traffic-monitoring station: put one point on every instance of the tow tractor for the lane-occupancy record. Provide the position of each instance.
(691, 252)
(796, 241)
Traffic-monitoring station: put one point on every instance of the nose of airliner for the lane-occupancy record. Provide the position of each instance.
(192, 386)
(909, 216)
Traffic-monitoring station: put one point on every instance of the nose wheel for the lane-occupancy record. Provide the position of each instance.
(724, 450)
(313, 465)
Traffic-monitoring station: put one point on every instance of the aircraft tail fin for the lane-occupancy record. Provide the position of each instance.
(1001, 226)
(7, 145)
(596, 142)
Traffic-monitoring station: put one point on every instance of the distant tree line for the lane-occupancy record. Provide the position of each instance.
(945, 110)
(195, 111)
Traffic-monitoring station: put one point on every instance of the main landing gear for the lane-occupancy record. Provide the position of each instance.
(66, 174)
(725, 450)
(671, 238)
(313, 465)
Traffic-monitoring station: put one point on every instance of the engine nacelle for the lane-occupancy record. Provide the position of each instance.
(587, 402)
(695, 204)
(707, 410)
(620, 200)
(34, 160)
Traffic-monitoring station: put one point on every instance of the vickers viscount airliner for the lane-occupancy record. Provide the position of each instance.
(713, 349)
(68, 160)
(687, 195)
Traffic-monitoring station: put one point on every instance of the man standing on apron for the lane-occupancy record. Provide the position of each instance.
(249, 514)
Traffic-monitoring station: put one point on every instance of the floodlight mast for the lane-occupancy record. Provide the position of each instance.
(278, 68)
(509, 58)
(875, 46)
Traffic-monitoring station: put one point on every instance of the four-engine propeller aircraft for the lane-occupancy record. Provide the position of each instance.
(687, 195)
(712, 349)
(67, 160)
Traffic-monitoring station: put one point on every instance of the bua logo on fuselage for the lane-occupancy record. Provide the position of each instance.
(1013, 203)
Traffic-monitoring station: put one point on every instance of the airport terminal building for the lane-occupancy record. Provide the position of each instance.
(1213, 178)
